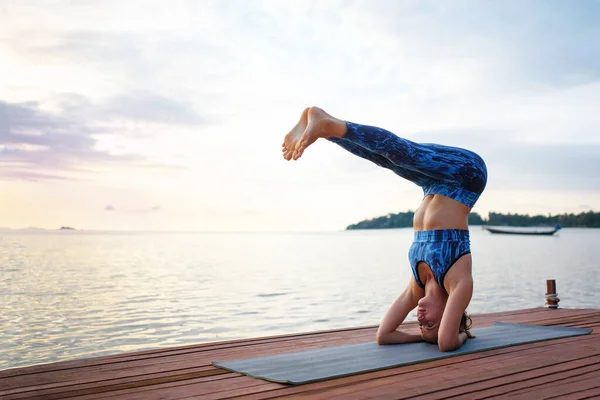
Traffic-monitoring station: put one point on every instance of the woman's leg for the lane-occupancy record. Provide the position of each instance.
(427, 162)
(381, 161)
(437, 162)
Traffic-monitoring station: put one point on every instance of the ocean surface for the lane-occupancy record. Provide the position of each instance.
(66, 295)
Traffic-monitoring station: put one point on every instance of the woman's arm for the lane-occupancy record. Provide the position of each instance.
(407, 301)
(449, 337)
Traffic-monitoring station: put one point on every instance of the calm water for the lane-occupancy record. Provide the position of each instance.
(67, 295)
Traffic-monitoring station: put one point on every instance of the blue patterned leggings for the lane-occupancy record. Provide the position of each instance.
(450, 171)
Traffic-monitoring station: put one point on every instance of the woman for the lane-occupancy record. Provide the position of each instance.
(440, 257)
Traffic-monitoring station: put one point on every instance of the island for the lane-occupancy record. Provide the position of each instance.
(588, 219)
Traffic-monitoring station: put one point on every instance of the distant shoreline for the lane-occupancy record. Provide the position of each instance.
(588, 219)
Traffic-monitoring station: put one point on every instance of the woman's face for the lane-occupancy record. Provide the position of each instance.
(429, 314)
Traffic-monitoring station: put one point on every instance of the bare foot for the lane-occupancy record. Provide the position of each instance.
(314, 123)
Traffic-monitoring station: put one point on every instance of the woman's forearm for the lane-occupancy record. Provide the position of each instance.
(462, 336)
(397, 337)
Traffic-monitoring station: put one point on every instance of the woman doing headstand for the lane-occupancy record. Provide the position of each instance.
(452, 180)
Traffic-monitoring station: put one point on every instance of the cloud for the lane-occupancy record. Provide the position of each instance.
(135, 106)
(24, 175)
(150, 107)
(555, 167)
(38, 144)
(142, 210)
(87, 46)
(534, 43)
(34, 140)
(181, 60)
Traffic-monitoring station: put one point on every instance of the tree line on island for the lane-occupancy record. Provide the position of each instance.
(588, 219)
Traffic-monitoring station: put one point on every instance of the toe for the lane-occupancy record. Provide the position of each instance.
(299, 146)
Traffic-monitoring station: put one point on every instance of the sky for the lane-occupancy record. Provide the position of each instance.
(155, 115)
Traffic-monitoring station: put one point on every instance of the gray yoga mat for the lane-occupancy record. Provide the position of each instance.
(333, 362)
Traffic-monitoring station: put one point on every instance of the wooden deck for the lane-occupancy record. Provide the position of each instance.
(564, 368)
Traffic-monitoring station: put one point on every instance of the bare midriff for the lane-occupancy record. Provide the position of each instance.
(440, 212)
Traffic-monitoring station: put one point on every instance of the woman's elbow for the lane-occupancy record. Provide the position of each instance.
(381, 338)
(447, 345)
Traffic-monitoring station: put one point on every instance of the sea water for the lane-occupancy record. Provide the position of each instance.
(66, 295)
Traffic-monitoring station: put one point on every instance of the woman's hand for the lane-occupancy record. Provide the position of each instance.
(468, 333)
(407, 301)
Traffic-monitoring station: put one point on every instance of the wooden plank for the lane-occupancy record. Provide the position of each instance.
(191, 388)
(230, 393)
(99, 386)
(534, 379)
(573, 388)
(546, 380)
(575, 320)
(89, 375)
(593, 393)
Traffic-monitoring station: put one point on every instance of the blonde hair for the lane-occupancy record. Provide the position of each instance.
(465, 325)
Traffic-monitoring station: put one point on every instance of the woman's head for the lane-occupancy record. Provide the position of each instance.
(429, 315)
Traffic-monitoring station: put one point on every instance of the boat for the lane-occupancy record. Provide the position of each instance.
(523, 230)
